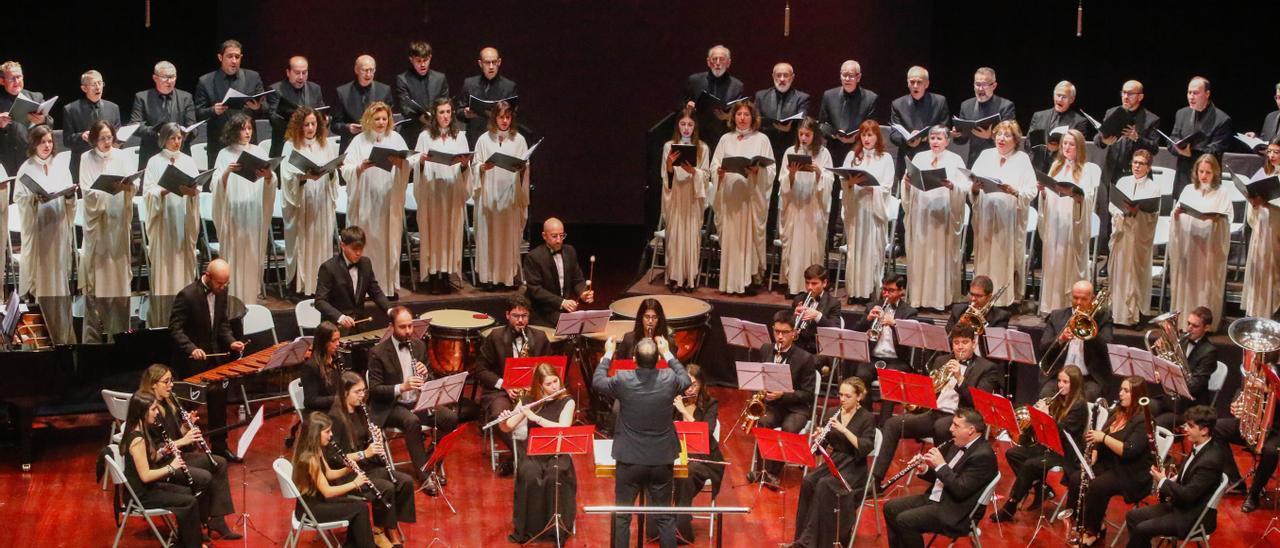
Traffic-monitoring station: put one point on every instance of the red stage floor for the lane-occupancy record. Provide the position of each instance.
(59, 504)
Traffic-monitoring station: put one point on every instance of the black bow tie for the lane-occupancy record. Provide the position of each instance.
(405, 346)
(353, 266)
(555, 252)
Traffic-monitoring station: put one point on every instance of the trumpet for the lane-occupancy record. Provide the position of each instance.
(541, 401)
(355, 469)
(800, 322)
(1082, 325)
(877, 326)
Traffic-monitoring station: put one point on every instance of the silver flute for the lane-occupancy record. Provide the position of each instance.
(541, 401)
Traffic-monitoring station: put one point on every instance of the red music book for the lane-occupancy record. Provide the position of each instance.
(617, 365)
(695, 435)
(1046, 430)
(907, 388)
(783, 446)
(443, 447)
(567, 440)
(518, 372)
(996, 410)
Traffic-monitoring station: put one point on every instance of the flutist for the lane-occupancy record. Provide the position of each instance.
(1089, 355)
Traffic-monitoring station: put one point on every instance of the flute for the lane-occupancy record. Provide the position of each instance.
(541, 401)
(355, 469)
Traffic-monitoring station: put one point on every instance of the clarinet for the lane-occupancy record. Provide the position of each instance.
(1084, 478)
(375, 434)
(911, 465)
(204, 446)
(356, 470)
(173, 448)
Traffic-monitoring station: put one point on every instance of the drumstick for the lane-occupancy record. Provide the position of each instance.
(217, 355)
(592, 272)
(370, 318)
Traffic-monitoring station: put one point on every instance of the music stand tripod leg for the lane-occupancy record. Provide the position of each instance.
(557, 521)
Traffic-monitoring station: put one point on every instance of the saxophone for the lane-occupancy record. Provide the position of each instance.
(523, 353)
(755, 409)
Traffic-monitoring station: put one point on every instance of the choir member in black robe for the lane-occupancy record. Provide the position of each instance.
(212, 87)
(1271, 124)
(417, 89)
(1043, 148)
(780, 102)
(717, 82)
(14, 133)
(78, 115)
(984, 103)
(159, 105)
(354, 97)
(916, 110)
(487, 86)
(845, 107)
(1203, 116)
(292, 92)
(1140, 133)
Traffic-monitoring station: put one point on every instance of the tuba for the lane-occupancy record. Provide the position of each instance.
(1163, 341)
(1255, 406)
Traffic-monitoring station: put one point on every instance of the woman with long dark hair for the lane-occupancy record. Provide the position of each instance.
(685, 187)
(804, 200)
(320, 374)
(441, 192)
(147, 466)
(697, 405)
(651, 321)
(1121, 461)
(324, 488)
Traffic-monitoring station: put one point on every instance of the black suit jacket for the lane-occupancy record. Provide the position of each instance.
(492, 361)
(423, 90)
(996, 317)
(77, 116)
(1119, 154)
(963, 483)
(802, 364)
(1216, 126)
(861, 105)
(930, 110)
(1201, 363)
(829, 306)
(726, 87)
(500, 87)
(971, 109)
(14, 137)
(350, 107)
(1095, 349)
(901, 311)
(1270, 126)
(283, 103)
(543, 283)
(335, 296)
(385, 373)
(211, 88)
(1190, 493)
(774, 106)
(982, 374)
(1041, 156)
(644, 432)
(189, 324)
(149, 111)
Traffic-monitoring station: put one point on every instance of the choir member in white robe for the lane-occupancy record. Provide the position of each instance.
(375, 196)
(1132, 234)
(242, 207)
(1000, 218)
(105, 260)
(308, 201)
(45, 267)
(1262, 267)
(172, 223)
(934, 224)
(866, 221)
(1198, 247)
(501, 198)
(1066, 222)
(804, 203)
(685, 188)
(441, 191)
(741, 201)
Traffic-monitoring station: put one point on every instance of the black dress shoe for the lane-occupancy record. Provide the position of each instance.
(231, 456)
(1250, 504)
(1004, 515)
(505, 468)
(1041, 495)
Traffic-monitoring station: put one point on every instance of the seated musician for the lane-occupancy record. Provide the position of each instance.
(208, 472)
(1202, 361)
(957, 475)
(958, 372)
(885, 348)
(981, 291)
(352, 442)
(790, 410)
(515, 339)
(536, 482)
(1122, 457)
(650, 319)
(320, 374)
(1184, 496)
(1231, 430)
(815, 307)
(1030, 461)
(1090, 356)
(553, 277)
(850, 437)
(697, 404)
(345, 280)
(324, 488)
(396, 373)
(149, 471)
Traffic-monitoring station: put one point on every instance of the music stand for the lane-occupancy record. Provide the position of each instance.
(242, 449)
(922, 335)
(695, 437)
(434, 464)
(567, 440)
(767, 376)
(1172, 378)
(617, 365)
(518, 372)
(1045, 430)
(290, 354)
(784, 447)
(745, 334)
(996, 410)
(1010, 346)
(439, 392)
(575, 324)
(840, 344)
(907, 388)
(1127, 361)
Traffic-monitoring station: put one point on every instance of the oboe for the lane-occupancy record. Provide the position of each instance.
(821, 436)
(204, 446)
(376, 436)
(355, 469)
(173, 448)
(911, 465)
(540, 401)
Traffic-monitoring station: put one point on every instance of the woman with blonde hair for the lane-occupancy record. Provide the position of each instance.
(375, 196)
(1066, 222)
(538, 477)
(1199, 237)
(1000, 215)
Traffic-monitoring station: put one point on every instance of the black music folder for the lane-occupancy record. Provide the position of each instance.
(859, 176)
(111, 183)
(448, 158)
(46, 188)
(1124, 201)
(926, 179)
(305, 165)
(981, 123)
(251, 163)
(175, 180)
(685, 154)
(739, 164)
(381, 156)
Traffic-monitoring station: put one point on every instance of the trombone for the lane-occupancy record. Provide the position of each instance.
(1082, 325)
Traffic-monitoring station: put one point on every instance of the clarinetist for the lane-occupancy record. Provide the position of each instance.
(847, 438)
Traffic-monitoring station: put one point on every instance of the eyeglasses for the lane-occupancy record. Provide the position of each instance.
(849, 76)
(165, 381)
(1130, 93)
(977, 295)
(167, 77)
(983, 85)
(559, 236)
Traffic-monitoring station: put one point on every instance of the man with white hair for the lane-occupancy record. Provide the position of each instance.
(918, 109)
(14, 133)
(78, 115)
(354, 97)
(1044, 145)
(844, 107)
(154, 107)
(779, 102)
(716, 82)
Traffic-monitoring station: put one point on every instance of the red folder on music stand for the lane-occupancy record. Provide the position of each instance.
(1171, 377)
(768, 376)
(619, 364)
(996, 410)
(922, 335)
(907, 388)
(442, 448)
(749, 335)
(518, 372)
(1126, 361)
(845, 344)
(783, 446)
(1010, 345)
(443, 391)
(567, 440)
(1046, 431)
(696, 436)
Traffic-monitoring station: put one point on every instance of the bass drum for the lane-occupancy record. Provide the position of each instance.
(686, 316)
(455, 338)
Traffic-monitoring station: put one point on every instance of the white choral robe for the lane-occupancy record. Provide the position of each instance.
(1198, 254)
(308, 207)
(1065, 228)
(1000, 222)
(105, 260)
(242, 216)
(1129, 265)
(684, 202)
(803, 209)
(502, 207)
(172, 223)
(741, 205)
(866, 223)
(375, 203)
(1262, 268)
(45, 266)
(934, 224)
(441, 192)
